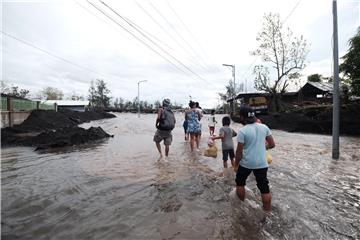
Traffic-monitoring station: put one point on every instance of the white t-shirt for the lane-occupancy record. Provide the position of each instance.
(211, 121)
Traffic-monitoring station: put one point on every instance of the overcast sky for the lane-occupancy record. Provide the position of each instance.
(199, 35)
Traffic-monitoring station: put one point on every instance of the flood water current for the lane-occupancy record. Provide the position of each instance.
(117, 189)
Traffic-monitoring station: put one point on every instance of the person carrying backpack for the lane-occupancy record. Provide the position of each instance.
(165, 123)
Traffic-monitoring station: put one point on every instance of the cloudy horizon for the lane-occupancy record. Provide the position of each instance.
(199, 36)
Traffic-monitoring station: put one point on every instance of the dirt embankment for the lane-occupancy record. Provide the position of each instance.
(48, 129)
(315, 119)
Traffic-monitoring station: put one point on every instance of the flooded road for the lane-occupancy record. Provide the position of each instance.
(117, 189)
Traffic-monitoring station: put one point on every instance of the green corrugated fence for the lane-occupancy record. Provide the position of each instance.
(47, 106)
(24, 105)
(3, 103)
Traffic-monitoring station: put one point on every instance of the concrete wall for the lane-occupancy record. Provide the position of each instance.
(14, 118)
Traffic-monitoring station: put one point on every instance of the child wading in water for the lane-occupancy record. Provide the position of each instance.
(212, 122)
(226, 134)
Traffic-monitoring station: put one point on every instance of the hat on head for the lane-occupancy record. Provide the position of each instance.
(166, 102)
(247, 111)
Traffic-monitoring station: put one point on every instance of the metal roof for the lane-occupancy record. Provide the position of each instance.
(326, 87)
(67, 102)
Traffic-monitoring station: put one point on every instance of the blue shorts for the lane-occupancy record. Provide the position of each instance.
(228, 152)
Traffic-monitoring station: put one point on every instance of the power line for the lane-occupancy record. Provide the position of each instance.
(292, 11)
(289, 15)
(136, 37)
(167, 32)
(188, 30)
(174, 29)
(133, 26)
(49, 53)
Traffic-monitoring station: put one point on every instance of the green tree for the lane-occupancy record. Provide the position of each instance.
(98, 94)
(283, 54)
(231, 91)
(315, 78)
(51, 93)
(13, 90)
(351, 65)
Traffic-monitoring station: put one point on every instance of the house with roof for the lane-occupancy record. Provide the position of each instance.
(79, 106)
(317, 91)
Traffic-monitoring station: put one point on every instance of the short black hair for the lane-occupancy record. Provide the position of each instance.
(191, 104)
(213, 111)
(226, 121)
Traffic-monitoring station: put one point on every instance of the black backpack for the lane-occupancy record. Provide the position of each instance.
(167, 120)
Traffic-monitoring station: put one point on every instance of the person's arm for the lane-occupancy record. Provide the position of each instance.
(270, 143)
(158, 117)
(238, 154)
(221, 136)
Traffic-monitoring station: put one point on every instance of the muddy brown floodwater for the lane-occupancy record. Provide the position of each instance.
(116, 189)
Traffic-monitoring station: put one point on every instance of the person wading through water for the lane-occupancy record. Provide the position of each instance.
(165, 123)
(251, 155)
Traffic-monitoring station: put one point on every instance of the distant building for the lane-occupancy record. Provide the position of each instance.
(79, 106)
(317, 91)
(311, 91)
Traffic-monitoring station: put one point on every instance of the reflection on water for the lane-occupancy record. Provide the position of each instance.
(117, 189)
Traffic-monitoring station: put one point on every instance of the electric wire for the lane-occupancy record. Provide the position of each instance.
(178, 34)
(49, 53)
(136, 37)
(188, 30)
(166, 31)
(289, 15)
(144, 35)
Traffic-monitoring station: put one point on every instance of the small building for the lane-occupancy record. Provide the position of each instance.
(317, 91)
(79, 106)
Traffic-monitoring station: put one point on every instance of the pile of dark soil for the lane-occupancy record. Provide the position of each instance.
(315, 119)
(48, 129)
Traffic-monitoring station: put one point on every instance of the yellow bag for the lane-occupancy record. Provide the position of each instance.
(268, 157)
(211, 152)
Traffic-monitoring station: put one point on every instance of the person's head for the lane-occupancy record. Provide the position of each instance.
(212, 112)
(166, 102)
(226, 121)
(247, 115)
(197, 104)
(191, 104)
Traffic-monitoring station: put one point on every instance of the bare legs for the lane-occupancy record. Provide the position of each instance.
(159, 148)
(198, 136)
(167, 147)
(167, 150)
(265, 197)
(232, 163)
(192, 140)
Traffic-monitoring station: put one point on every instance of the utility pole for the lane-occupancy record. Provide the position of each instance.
(233, 74)
(336, 117)
(139, 96)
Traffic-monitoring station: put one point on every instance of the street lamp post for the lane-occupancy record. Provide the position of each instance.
(139, 96)
(233, 74)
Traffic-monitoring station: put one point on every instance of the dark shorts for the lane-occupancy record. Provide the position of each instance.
(212, 129)
(226, 153)
(260, 174)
